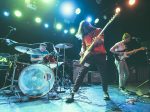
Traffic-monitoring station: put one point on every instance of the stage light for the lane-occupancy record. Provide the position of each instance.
(38, 20)
(67, 9)
(17, 13)
(89, 19)
(78, 11)
(72, 30)
(65, 31)
(96, 21)
(46, 25)
(117, 10)
(58, 26)
(6, 13)
(132, 2)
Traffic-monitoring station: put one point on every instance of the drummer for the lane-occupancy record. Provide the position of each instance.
(38, 58)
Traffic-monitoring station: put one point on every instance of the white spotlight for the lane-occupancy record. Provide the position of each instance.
(78, 11)
(72, 30)
(67, 9)
(96, 21)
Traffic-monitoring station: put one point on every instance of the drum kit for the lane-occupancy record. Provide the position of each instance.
(38, 79)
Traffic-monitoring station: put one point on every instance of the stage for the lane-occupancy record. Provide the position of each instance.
(88, 99)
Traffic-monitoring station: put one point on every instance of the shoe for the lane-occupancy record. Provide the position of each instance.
(70, 98)
(106, 96)
(124, 91)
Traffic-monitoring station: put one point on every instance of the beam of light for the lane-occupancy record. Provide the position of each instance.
(89, 19)
(72, 30)
(78, 11)
(96, 20)
(58, 26)
(132, 2)
(67, 9)
(38, 20)
(46, 25)
(118, 10)
(48, 1)
(17, 13)
(65, 31)
(6, 13)
(104, 17)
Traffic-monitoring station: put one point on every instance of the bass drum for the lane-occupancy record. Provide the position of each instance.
(36, 80)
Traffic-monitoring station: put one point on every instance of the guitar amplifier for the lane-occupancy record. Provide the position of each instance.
(92, 77)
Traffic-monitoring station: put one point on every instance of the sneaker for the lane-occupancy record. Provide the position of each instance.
(106, 96)
(124, 91)
(70, 98)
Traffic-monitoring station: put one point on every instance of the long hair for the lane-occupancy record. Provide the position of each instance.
(84, 29)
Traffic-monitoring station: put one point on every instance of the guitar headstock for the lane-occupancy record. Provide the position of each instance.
(115, 15)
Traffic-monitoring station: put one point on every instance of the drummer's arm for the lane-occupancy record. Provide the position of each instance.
(40, 58)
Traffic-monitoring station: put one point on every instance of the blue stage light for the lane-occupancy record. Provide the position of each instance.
(89, 19)
(6, 13)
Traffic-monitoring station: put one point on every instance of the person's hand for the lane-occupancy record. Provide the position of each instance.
(81, 54)
(98, 40)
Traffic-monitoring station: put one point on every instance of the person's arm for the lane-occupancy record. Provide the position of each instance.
(114, 51)
(40, 58)
(83, 48)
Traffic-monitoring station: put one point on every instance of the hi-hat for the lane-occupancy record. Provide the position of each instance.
(63, 45)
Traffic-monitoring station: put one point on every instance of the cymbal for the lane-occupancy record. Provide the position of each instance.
(23, 49)
(28, 50)
(63, 45)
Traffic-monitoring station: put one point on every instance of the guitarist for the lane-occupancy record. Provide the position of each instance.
(87, 33)
(119, 49)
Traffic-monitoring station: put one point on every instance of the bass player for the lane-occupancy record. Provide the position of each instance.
(87, 33)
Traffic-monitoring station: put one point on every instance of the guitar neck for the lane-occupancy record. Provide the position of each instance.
(92, 45)
(133, 51)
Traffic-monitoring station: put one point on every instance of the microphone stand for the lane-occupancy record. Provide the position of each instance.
(10, 31)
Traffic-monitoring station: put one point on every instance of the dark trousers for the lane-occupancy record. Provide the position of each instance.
(100, 62)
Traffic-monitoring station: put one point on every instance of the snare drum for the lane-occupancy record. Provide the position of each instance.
(50, 61)
(36, 80)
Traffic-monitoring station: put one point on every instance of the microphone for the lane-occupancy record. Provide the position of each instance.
(12, 28)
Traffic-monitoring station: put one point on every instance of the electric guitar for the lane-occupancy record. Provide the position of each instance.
(128, 53)
(89, 49)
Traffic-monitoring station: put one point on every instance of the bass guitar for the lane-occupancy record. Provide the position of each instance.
(89, 49)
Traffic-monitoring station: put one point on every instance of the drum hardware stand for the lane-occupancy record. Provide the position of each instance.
(58, 80)
(64, 80)
(12, 87)
(54, 90)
